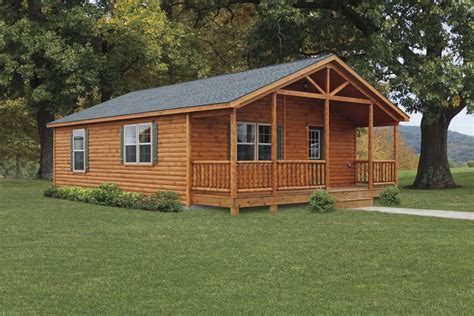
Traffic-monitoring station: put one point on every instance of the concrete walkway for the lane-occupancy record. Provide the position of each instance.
(420, 212)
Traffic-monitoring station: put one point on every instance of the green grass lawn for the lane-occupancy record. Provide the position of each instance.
(59, 257)
(460, 199)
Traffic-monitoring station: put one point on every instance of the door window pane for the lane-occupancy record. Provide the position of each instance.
(314, 143)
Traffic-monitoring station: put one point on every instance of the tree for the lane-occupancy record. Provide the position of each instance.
(64, 56)
(423, 51)
(137, 46)
(219, 32)
(18, 139)
(43, 60)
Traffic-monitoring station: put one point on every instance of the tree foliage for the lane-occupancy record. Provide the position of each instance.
(420, 51)
(383, 148)
(18, 138)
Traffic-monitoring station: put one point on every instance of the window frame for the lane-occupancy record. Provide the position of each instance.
(263, 144)
(256, 142)
(137, 144)
(83, 150)
(320, 132)
(246, 143)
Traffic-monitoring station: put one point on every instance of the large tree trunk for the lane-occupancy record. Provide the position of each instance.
(433, 168)
(43, 117)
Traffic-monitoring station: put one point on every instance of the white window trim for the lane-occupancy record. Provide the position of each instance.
(318, 130)
(137, 145)
(256, 143)
(83, 150)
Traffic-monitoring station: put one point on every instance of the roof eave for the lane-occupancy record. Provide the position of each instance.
(182, 110)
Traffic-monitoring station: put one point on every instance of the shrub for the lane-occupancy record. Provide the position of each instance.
(321, 202)
(163, 201)
(106, 194)
(130, 200)
(470, 164)
(110, 195)
(390, 196)
(51, 192)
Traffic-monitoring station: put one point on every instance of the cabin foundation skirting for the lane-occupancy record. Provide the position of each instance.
(347, 197)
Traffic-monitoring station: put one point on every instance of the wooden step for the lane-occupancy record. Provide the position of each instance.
(353, 203)
(355, 194)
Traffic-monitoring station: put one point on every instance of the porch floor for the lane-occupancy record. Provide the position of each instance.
(346, 197)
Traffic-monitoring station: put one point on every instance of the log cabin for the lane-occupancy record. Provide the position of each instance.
(264, 137)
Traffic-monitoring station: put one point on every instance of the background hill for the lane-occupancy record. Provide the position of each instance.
(460, 146)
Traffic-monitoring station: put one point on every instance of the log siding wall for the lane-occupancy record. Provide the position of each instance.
(169, 174)
(209, 142)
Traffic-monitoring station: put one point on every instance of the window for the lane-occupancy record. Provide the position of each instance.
(264, 142)
(137, 143)
(314, 143)
(78, 152)
(246, 141)
(254, 141)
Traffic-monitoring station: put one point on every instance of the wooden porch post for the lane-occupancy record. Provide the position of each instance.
(189, 165)
(326, 129)
(395, 153)
(326, 143)
(370, 141)
(234, 211)
(273, 208)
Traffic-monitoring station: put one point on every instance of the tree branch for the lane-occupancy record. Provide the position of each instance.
(363, 23)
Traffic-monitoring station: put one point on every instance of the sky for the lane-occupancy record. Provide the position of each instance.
(462, 123)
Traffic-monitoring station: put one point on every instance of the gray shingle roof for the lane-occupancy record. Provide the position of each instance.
(214, 90)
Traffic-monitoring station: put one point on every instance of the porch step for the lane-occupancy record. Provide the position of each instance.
(354, 202)
(357, 194)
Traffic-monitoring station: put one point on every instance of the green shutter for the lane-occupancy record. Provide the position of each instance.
(86, 149)
(154, 142)
(121, 145)
(280, 142)
(71, 158)
(228, 142)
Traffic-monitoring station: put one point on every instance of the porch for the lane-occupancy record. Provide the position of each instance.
(278, 148)
(295, 181)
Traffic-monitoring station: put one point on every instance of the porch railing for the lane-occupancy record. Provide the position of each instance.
(300, 174)
(255, 176)
(211, 175)
(383, 171)
(361, 171)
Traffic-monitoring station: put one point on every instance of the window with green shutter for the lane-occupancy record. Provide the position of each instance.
(78, 150)
(138, 143)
